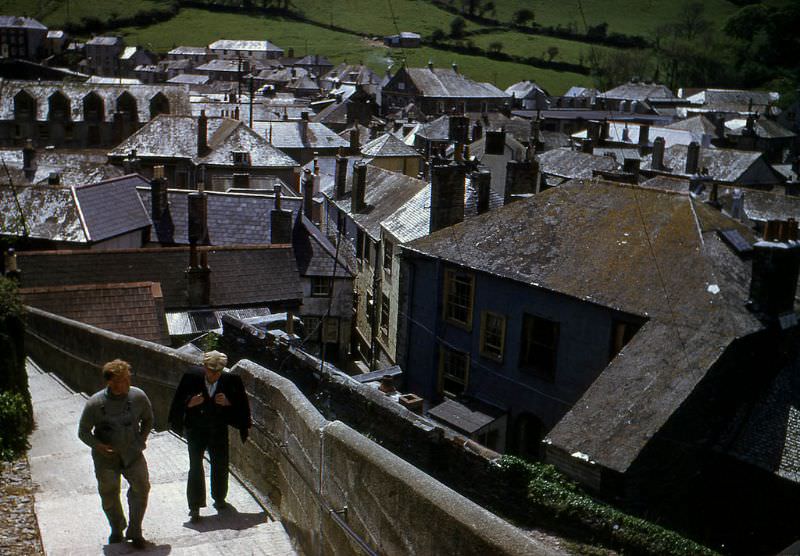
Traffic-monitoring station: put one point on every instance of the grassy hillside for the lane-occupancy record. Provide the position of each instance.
(53, 13)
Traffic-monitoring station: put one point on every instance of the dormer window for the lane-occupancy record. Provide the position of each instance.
(241, 158)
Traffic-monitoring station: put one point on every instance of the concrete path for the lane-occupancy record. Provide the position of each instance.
(68, 506)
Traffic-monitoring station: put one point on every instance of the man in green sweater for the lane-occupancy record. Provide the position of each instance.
(115, 424)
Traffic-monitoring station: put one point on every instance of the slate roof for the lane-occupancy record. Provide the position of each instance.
(74, 167)
(220, 65)
(177, 95)
(111, 208)
(77, 215)
(288, 135)
(232, 218)
(413, 220)
(315, 254)
(724, 165)
(761, 206)
(252, 46)
(352, 73)
(313, 60)
(524, 89)
(240, 276)
(764, 128)
(21, 22)
(176, 137)
(697, 125)
(448, 83)
(387, 145)
(671, 135)
(732, 100)
(386, 192)
(188, 50)
(569, 164)
(639, 91)
(189, 79)
(133, 309)
(580, 239)
(104, 41)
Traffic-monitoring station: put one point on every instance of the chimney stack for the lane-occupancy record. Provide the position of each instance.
(631, 166)
(482, 184)
(587, 146)
(692, 158)
(159, 202)
(340, 176)
(458, 129)
(308, 193)
(359, 189)
(29, 160)
(198, 275)
(776, 265)
(202, 134)
(477, 131)
(495, 142)
(447, 195)
(657, 162)
(280, 224)
(522, 178)
(644, 136)
(355, 140)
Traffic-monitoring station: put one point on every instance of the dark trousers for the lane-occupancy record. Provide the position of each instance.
(215, 440)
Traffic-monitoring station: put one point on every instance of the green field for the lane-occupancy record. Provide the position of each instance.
(53, 13)
(520, 44)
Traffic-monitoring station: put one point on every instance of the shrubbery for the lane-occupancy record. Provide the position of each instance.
(16, 419)
(549, 496)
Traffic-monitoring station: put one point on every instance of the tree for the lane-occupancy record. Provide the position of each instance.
(523, 16)
(552, 52)
(438, 36)
(496, 47)
(457, 27)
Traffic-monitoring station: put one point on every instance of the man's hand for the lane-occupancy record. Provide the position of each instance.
(221, 399)
(104, 448)
(195, 400)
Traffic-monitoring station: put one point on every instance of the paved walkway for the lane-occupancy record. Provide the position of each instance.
(68, 506)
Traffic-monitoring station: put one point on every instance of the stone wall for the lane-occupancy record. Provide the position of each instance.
(333, 487)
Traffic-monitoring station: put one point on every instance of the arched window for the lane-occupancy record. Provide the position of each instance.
(126, 107)
(93, 108)
(58, 108)
(24, 107)
(159, 104)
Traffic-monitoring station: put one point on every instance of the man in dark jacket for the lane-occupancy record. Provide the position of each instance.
(206, 402)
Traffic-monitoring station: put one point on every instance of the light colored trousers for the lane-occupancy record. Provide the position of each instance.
(108, 470)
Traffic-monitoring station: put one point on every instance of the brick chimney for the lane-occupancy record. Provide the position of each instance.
(29, 160)
(482, 184)
(776, 264)
(692, 158)
(644, 136)
(340, 176)
(280, 223)
(198, 275)
(458, 128)
(159, 202)
(202, 134)
(359, 189)
(657, 162)
(495, 142)
(308, 193)
(522, 178)
(631, 166)
(355, 140)
(447, 195)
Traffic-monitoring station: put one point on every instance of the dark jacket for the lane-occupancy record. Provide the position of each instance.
(208, 414)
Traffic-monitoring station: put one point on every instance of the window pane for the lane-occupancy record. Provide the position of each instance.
(539, 345)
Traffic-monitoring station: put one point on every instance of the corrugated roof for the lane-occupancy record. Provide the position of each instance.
(239, 275)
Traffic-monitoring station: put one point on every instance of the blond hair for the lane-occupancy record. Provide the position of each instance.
(115, 368)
